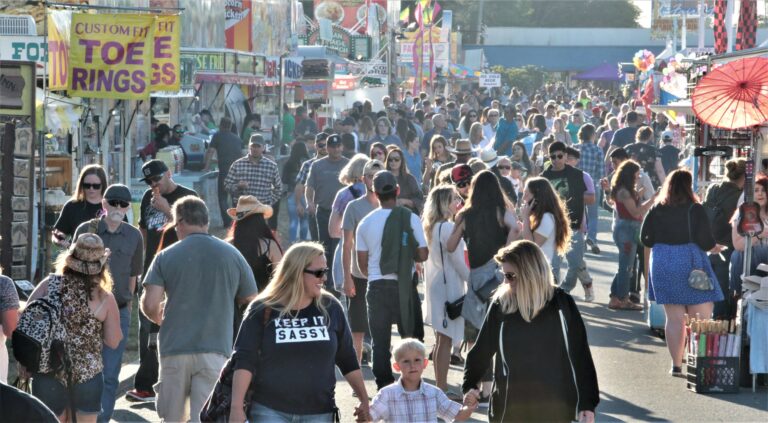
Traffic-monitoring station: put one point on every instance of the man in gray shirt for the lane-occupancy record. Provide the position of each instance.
(193, 300)
(355, 282)
(126, 262)
(322, 185)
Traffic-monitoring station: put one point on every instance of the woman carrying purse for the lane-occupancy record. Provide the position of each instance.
(446, 274)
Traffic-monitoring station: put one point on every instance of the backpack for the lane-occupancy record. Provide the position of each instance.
(38, 341)
(720, 204)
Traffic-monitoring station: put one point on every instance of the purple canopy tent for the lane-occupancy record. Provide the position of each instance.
(604, 72)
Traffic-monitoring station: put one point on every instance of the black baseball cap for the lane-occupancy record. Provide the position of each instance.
(153, 168)
(384, 182)
(118, 192)
(333, 140)
(321, 136)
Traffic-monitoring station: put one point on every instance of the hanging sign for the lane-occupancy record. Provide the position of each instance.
(490, 80)
(165, 54)
(111, 56)
(59, 22)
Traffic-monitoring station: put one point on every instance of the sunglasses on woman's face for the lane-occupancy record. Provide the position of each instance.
(473, 116)
(91, 186)
(318, 273)
(462, 184)
(394, 159)
(505, 167)
(510, 276)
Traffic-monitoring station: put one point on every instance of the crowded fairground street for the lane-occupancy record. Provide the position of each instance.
(383, 211)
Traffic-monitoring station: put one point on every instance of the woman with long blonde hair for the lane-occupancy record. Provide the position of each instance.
(476, 136)
(294, 327)
(532, 321)
(445, 275)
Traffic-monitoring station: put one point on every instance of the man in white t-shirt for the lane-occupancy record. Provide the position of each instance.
(383, 296)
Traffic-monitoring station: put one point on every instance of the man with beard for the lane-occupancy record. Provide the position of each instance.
(126, 262)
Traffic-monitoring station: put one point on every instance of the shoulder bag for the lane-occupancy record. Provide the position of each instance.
(217, 406)
(698, 279)
(452, 308)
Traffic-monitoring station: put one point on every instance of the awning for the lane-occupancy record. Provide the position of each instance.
(680, 107)
(182, 93)
(61, 113)
(229, 78)
(604, 72)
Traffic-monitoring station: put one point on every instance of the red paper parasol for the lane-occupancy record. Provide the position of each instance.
(734, 95)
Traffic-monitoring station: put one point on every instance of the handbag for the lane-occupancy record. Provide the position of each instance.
(698, 279)
(217, 406)
(452, 308)
(485, 292)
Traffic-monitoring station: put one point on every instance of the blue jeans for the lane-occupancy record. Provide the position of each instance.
(260, 413)
(593, 211)
(86, 395)
(625, 235)
(299, 227)
(576, 263)
(113, 359)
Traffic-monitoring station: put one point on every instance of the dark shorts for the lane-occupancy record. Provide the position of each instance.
(86, 395)
(358, 309)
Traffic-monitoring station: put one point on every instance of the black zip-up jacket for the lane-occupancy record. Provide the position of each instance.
(538, 376)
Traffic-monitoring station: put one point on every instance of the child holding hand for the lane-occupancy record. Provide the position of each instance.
(410, 399)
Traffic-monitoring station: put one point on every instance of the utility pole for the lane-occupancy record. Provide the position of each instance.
(480, 22)
(392, 26)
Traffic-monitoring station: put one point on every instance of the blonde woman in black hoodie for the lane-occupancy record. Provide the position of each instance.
(543, 369)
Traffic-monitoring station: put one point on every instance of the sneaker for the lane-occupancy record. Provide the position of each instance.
(593, 246)
(589, 293)
(456, 360)
(676, 372)
(483, 402)
(136, 395)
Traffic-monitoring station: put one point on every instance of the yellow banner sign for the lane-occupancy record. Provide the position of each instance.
(111, 56)
(165, 56)
(58, 48)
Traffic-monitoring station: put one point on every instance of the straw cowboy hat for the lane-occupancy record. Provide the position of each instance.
(489, 157)
(463, 146)
(87, 255)
(248, 205)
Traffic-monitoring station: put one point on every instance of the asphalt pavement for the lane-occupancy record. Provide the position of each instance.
(632, 366)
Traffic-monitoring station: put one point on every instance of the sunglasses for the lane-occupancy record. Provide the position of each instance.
(91, 186)
(153, 180)
(320, 145)
(556, 156)
(394, 159)
(504, 167)
(494, 115)
(462, 184)
(118, 203)
(319, 273)
(473, 116)
(510, 276)
(179, 132)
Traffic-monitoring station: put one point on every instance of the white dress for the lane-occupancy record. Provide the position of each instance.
(439, 290)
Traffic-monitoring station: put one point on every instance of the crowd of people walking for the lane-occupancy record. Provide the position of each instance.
(474, 203)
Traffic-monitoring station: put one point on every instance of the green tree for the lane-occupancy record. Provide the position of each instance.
(527, 78)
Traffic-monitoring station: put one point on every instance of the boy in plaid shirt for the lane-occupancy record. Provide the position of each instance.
(410, 399)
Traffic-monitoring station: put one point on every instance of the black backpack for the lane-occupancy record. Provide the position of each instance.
(720, 204)
(38, 341)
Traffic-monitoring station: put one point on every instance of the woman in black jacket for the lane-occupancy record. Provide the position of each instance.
(543, 369)
(678, 233)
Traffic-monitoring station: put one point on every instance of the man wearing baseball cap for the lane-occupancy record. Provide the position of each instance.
(463, 150)
(355, 283)
(387, 242)
(670, 155)
(154, 214)
(256, 175)
(301, 182)
(126, 263)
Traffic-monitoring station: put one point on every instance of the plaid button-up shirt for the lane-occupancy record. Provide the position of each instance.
(394, 404)
(303, 174)
(591, 160)
(262, 177)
